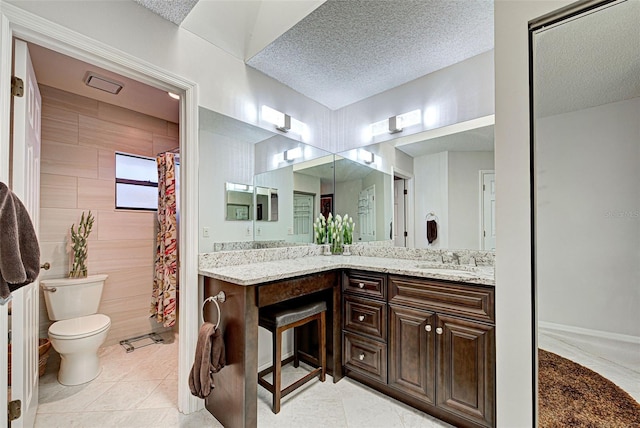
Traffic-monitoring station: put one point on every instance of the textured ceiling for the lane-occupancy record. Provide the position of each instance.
(172, 10)
(345, 51)
(589, 61)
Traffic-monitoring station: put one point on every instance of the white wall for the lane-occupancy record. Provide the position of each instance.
(464, 197)
(431, 195)
(588, 218)
(457, 93)
(513, 243)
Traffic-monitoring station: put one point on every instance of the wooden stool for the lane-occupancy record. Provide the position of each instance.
(279, 318)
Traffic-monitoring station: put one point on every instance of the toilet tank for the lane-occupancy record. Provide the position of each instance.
(72, 297)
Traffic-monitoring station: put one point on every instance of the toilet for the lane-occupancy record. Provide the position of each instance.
(78, 331)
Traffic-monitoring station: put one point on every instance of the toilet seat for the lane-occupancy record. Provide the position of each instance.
(77, 328)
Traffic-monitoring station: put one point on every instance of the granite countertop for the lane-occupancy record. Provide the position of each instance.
(256, 273)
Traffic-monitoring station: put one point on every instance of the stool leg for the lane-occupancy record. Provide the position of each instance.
(296, 357)
(277, 369)
(323, 346)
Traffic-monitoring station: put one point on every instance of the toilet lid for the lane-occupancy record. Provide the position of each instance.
(80, 327)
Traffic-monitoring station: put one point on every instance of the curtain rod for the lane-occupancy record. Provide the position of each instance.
(174, 150)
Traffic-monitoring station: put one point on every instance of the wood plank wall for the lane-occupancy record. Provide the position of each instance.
(79, 139)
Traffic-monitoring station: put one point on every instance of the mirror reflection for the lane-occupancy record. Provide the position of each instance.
(238, 202)
(453, 185)
(302, 188)
(364, 193)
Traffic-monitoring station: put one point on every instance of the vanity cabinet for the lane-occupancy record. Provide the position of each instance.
(365, 324)
(442, 346)
(429, 343)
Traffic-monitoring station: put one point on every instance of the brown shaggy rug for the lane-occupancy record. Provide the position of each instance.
(570, 395)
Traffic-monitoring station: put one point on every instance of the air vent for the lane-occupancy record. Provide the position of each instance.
(103, 83)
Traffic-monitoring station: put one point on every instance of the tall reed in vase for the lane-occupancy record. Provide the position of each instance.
(78, 243)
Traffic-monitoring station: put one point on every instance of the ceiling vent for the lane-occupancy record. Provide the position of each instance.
(103, 83)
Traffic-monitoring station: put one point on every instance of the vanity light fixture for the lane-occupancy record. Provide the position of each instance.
(174, 96)
(396, 123)
(291, 154)
(280, 120)
(401, 121)
(366, 156)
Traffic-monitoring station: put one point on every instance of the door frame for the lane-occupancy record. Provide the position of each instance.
(15, 22)
(482, 173)
(409, 204)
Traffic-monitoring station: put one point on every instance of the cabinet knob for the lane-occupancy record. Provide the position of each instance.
(46, 266)
(361, 285)
(361, 318)
(439, 330)
(361, 356)
(427, 327)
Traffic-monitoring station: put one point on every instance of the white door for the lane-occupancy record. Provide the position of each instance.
(302, 217)
(367, 213)
(489, 211)
(399, 229)
(26, 185)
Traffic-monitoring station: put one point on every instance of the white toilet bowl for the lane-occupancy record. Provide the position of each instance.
(77, 341)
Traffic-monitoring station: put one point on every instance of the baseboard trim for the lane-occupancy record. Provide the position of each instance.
(590, 332)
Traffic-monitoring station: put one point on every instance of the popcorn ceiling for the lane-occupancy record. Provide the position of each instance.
(346, 51)
(172, 10)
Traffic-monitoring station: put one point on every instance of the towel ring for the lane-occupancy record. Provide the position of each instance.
(220, 297)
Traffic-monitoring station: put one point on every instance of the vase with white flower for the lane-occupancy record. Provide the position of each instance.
(335, 234)
(347, 234)
(320, 233)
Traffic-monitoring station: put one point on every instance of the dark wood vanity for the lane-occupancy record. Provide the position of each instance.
(429, 343)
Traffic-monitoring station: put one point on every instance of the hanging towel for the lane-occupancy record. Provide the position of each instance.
(19, 249)
(209, 359)
(432, 231)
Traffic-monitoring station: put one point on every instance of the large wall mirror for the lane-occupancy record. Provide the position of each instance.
(586, 202)
(446, 175)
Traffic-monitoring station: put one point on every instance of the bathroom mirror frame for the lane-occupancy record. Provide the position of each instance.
(568, 14)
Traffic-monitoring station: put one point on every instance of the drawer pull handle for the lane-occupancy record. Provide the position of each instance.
(427, 327)
(361, 285)
(439, 330)
(361, 318)
(361, 356)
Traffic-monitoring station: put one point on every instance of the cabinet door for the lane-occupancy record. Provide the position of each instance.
(466, 374)
(412, 352)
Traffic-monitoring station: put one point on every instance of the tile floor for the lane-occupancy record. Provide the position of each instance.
(140, 389)
(617, 361)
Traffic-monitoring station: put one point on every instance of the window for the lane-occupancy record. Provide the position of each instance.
(136, 182)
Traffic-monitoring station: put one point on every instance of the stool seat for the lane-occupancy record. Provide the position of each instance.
(280, 315)
(279, 318)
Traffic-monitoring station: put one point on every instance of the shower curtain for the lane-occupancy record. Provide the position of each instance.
(163, 299)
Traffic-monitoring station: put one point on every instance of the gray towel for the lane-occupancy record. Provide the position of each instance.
(209, 359)
(19, 250)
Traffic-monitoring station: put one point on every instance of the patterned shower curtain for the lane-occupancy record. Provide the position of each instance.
(163, 299)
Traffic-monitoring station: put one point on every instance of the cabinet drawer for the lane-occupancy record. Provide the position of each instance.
(365, 284)
(465, 300)
(365, 316)
(365, 356)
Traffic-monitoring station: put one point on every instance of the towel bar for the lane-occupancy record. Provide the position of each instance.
(220, 297)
